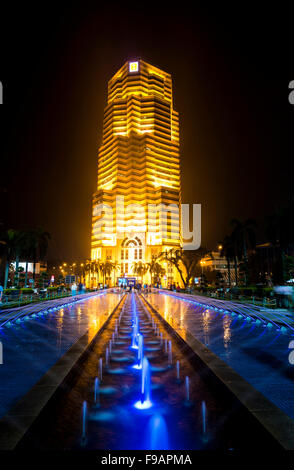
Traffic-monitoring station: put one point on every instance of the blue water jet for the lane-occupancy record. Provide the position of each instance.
(96, 391)
(145, 401)
(157, 433)
(140, 352)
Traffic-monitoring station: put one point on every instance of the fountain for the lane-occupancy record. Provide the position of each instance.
(135, 334)
(203, 412)
(178, 371)
(165, 345)
(96, 391)
(145, 401)
(140, 352)
(107, 357)
(157, 434)
(170, 355)
(100, 368)
(84, 419)
(187, 389)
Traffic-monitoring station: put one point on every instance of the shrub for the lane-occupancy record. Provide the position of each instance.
(27, 290)
(11, 291)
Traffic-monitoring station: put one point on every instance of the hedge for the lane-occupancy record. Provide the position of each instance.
(27, 290)
(11, 291)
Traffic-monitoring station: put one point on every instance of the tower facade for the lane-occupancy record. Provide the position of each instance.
(136, 208)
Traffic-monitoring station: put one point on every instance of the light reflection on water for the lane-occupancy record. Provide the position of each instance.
(257, 353)
(31, 347)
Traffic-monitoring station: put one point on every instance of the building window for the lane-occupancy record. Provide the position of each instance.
(126, 268)
(122, 269)
(136, 254)
(122, 254)
(140, 253)
(127, 254)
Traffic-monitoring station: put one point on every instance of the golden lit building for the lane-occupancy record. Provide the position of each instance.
(136, 205)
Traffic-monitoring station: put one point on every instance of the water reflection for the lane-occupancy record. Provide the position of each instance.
(257, 353)
(36, 344)
(227, 330)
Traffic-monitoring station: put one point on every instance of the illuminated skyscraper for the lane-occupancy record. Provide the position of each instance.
(138, 170)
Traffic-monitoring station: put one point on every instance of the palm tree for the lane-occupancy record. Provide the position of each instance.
(185, 262)
(106, 269)
(10, 243)
(27, 250)
(140, 269)
(227, 251)
(95, 265)
(244, 238)
(159, 271)
(155, 268)
(151, 266)
(39, 241)
(88, 269)
(280, 233)
(115, 267)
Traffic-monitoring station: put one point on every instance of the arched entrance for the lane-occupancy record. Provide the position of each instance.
(131, 252)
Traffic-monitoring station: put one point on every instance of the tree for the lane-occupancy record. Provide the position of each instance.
(115, 267)
(106, 269)
(95, 267)
(154, 267)
(158, 271)
(27, 250)
(227, 251)
(37, 245)
(289, 267)
(185, 261)
(140, 269)
(43, 279)
(280, 233)
(21, 276)
(88, 269)
(10, 244)
(243, 236)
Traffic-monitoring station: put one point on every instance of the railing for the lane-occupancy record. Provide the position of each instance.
(254, 300)
(17, 300)
(33, 310)
(247, 312)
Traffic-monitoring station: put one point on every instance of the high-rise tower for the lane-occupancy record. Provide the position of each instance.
(136, 205)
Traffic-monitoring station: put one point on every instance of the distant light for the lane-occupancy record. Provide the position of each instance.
(133, 66)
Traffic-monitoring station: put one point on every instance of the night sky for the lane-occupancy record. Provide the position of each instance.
(230, 70)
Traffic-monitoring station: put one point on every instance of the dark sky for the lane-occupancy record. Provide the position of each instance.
(230, 69)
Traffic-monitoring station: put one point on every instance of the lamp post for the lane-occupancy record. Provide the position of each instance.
(202, 263)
